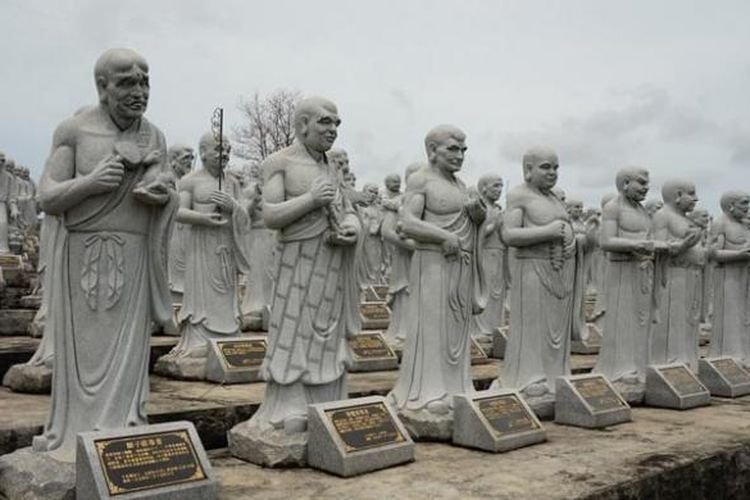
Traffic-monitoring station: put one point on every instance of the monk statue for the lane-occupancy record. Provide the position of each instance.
(370, 244)
(180, 159)
(626, 238)
(446, 288)
(256, 302)
(543, 271)
(8, 207)
(106, 177)
(25, 199)
(730, 253)
(674, 335)
(653, 205)
(215, 252)
(584, 338)
(599, 266)
(390, 201)
(401, 249)
(315, 297)
(494, 261)
(701, 218)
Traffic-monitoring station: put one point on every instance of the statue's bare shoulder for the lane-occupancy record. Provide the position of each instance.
(417, 182)
(519, 197)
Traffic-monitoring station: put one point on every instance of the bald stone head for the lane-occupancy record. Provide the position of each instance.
(540, 166)
(446, 148)
(213, 157)
(700, 217)
(679, 194)
(575, 208)
(490, 187)
(633, 183)
(339, 158)
(122, 82)
(316, 123)
(393, 183)
(735, 204)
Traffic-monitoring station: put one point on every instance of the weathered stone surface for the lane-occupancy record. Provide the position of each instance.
(427, 426)
(668, 392)
(695, 455)
(15, 321)
(181, 368)
(724, 377)
(589, 401)
(499, 341)
(29, 475)
(270, 448)
(590, 344)
(29, 378)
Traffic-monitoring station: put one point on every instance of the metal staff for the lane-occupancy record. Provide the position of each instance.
(217, 127)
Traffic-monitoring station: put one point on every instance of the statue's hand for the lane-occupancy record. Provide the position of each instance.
(223, 201)
(645, 247)
(214, 220)
(106, 176)
(322, 191)
(156, 193)
(556, 230)
(477, 210)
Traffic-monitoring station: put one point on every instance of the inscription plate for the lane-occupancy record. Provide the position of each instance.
(10, 261)
(682, 380)
(148, 461)
(505, 414)
(731, 371)
(243, 354)
(364, 426)
(370, 345)
(598, 394)
(375, 311)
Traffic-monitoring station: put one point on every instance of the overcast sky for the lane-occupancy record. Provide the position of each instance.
(662, 84)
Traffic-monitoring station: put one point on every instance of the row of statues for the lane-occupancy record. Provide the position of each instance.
(18, 207)
(133, 230)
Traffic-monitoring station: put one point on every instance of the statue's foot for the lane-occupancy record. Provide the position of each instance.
(438, 407)
(536, 390)
(295, 424)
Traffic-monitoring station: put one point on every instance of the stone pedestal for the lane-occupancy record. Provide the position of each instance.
(499, 341)
(181, 367)
(268, 447)
(674, 386)
(724, 377)
(28, 474)
(32, 379)
(589, 401)
(424, 425)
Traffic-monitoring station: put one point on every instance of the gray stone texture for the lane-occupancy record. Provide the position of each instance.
(499, 340)
(268, 447)
(33, 379)
(15, 322)
(721, 383)
(571, 407)
(367, 363)
(31, 475)
(90, 480)
(326, 451)
(473, 430)
(217, 369)
(590, 344)
(663, 394)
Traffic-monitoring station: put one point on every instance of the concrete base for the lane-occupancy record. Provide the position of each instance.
(589, 406)
(26, 474)
(268, 447)
(426, 426)
(724, 377)
(31, 379)
(499, 341)
(633, 393)
(16, 321)
(664, 393)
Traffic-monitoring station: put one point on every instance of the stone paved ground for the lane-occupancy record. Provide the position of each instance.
(662, 454)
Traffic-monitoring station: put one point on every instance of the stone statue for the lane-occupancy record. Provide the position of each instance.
(730, 253)
(315, 297)
(401, 249)
(599, 267)
(35, 376)
(256, 303)
(370, 245)
(702, 220)
(389, 202)
(25, 199)
(8, 207)
(674, 335)
(216, 225)
(446, 288)
(585, 237)
(653, 205)
(543, 274)
(494, 260)
(180, 159)
(627, 240)
(106, 177)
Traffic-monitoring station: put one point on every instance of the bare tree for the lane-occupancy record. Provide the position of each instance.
(267, 125)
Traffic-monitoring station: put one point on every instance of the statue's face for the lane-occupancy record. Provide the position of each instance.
(25, 173)
(493, 190)
(543, 175)
(636, 188)
(211, 155)
(321, 130)
(371, 194)
(2, 160)
(740, 207)
(126, 92)
(575, 210)
(448, 155)
(183, 162)
(701, 218)
(393, 184)
(686, 199)
(349, 179)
